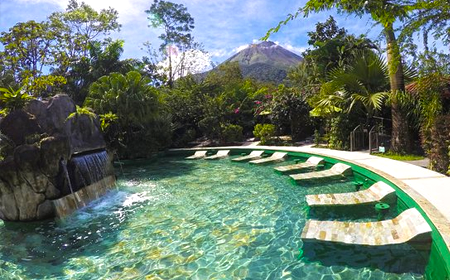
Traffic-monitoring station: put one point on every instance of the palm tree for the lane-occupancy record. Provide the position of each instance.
(362, 85)
(141, 123)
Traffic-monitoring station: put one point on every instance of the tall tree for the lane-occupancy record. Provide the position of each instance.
(331, 47)
(103, 59)
(27, 49)
(432, 20)
(177, 24)
(77, 27)
(385, 13)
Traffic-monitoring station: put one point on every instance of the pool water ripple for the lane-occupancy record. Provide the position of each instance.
(178, 219)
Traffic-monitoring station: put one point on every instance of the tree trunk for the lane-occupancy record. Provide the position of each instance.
(401, 138)
(170, 82)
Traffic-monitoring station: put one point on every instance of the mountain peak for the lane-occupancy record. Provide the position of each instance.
(265, 61)
(265, 44)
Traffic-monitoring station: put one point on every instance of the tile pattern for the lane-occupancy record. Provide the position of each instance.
(252, 156)
(276, 157)
(339, 169)
(312, 162)
(408, 226)
(379, 191)
(220, 154)
(197, 155)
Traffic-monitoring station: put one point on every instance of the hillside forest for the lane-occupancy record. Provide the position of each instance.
(148, 104)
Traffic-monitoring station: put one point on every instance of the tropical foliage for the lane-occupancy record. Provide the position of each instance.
(148, 104)
(135, 110)
(11, 99)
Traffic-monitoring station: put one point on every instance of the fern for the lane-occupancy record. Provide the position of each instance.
(82, 111)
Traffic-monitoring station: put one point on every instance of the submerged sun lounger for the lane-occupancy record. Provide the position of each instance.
(197, 155)
(220, 154)
(379, 191)
(408, 226)
(310, 163)
(338, 170)
(252, 156)
(275, 157)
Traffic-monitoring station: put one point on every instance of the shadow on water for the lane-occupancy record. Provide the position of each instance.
(401, 258)
(366, 212)
(158, 168)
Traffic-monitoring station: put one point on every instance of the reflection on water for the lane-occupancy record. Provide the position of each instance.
(190, 220)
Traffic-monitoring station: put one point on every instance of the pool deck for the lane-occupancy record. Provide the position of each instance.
(429, 189)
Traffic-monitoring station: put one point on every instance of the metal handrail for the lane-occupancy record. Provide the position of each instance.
(372, 132)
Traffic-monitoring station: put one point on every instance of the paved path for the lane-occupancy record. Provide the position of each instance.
(420, 162)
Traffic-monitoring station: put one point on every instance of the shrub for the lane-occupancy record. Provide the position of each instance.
(439, 145)
(11, 99)
(230, 133)
(210, 127)
(264, 132)
(340, 127)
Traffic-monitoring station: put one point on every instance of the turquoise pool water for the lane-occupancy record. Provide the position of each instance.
(178, 219)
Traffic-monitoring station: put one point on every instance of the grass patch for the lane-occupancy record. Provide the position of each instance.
(400, 156)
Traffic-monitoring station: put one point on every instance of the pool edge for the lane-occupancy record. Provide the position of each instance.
(433, 215)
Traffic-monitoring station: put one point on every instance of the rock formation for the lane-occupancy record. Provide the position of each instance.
(37, 142)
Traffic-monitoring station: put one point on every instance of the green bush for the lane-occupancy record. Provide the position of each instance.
(210, 126)
(264, 132)
(230, 133)
(439, 144)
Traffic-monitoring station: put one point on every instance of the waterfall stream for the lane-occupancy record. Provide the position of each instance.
(66, 176)
(89, 176)
(91, 167)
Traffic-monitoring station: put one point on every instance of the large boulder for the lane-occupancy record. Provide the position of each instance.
(8, 206)
(82, 132)
(22, 190)
(18, 125)
(53, 117)
(85, 134)
(53, 149)
(44, 140)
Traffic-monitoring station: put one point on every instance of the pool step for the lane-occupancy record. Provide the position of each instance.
(312, 162)
(275, 157)
(338, 170)
(408, 226)
(220, 154)
(252, 156)
(379, 191)
(197, 155)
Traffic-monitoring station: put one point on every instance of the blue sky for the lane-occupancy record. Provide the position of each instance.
(222, 26)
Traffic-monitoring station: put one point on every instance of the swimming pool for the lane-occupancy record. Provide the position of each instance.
(177, 219)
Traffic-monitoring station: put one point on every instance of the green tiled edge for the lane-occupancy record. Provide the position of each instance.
(439, 263)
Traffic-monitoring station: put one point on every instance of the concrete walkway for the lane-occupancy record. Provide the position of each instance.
(429, 189)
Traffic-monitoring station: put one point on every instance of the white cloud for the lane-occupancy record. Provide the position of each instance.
(219, 53)
(129, 10)
(62, 3)
(297, 50)
(189, 62)
(240, 48)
